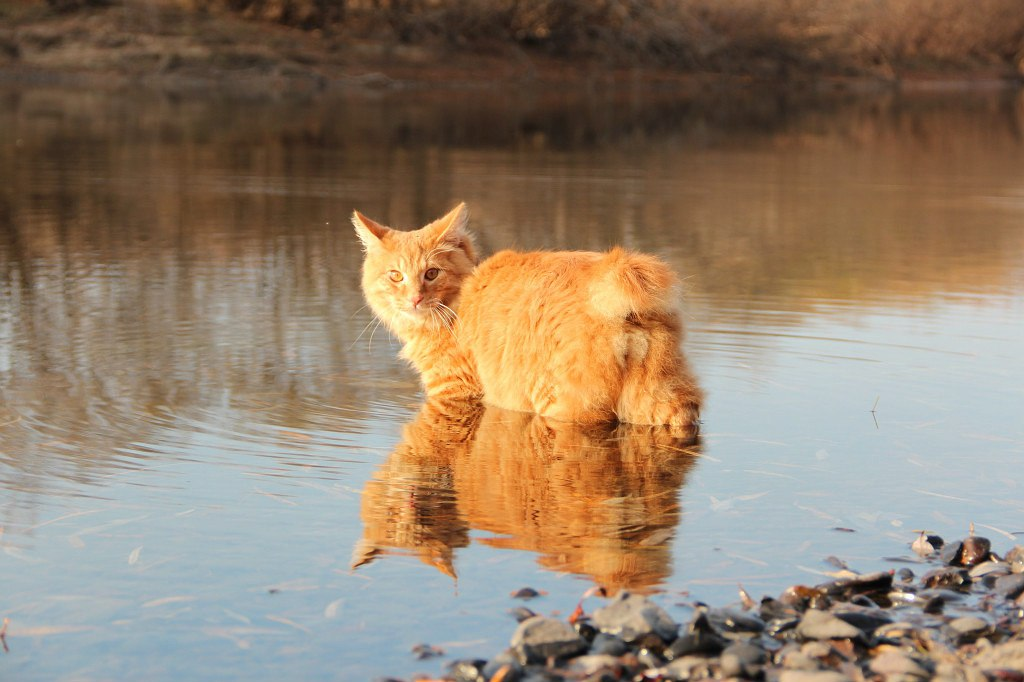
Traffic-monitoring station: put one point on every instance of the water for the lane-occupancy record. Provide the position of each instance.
(201, 434)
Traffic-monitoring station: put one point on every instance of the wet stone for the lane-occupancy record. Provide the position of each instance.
(539, 638)
(698, 638)
(507, 662)
(897, 663)
(1010, 586)
(949, 576)
(1015, 558)
(592, 664)
(989, 568)
(1005, 656)
(631, 616)
(817, 624)
(975, 550)
(896, 631)
(816, 649)
(467, 671)
(735, 621)
(879, 582)
(743, 659)
(608, 644)
(813, 676)
(781, 626)
(686, 668)
(521, 613)
(967, 629)
(866, 621)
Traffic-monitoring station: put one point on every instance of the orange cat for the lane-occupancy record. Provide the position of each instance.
(570, 335)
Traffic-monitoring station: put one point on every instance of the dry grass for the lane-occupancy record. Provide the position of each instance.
(764, 38)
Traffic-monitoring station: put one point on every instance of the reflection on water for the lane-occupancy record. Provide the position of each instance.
(596, 501)
(198, 422)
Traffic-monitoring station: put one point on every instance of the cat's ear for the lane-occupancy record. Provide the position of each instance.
(451, 228)
(371, 233)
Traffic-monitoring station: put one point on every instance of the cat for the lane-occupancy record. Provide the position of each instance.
(574, 336)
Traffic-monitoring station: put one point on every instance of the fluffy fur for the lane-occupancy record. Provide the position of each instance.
(574, 336)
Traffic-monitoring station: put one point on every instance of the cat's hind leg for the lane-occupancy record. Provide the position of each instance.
(658, 388)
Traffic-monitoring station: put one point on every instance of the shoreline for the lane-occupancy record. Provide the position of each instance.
(126, 47)
(960, 620)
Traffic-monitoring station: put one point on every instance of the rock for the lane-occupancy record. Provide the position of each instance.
(813, 676)
(950, 554)
(870, 583)
(803, 597)
(506, 664)
(1010, 586)
(817, 624)
(867, 620)
(798, 660)
(1015, 557)
(688, 667)
(816, 649)
(733, 620)
(967, 629)
(521, 613)
(896, 631)
(539, 638)
(1005, 656)
(608, 645)
(967, 552)
(897, 663)
(989, 568)
(527, 593)
(743, 659)
(467, 671)
(926, 545)
(975, 550)
(591, 664)
(948, 576)
(631, 616)
(699, 638)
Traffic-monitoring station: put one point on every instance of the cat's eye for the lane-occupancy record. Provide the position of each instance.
(395, 276)
(431, 274)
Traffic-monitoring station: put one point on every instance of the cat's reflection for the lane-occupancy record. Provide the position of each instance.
(596, 501)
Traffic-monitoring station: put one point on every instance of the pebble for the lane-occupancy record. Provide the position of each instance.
(631, 616)
(743, 659)
(967, 629)
(539, 638)
(813, 676)
(956, 623)
(1010, 586)
(817, 624)
(892, 663)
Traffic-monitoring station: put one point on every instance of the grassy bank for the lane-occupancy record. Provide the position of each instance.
(773, 39)
(735, 36)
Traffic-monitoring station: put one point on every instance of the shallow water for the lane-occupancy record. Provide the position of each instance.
(202, 432)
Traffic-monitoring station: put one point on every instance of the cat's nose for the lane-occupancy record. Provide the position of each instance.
(416, 300)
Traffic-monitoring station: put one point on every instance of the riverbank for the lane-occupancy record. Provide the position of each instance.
(178, 46)
(955, 614)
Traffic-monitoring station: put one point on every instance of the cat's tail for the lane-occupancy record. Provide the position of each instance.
(630, 283)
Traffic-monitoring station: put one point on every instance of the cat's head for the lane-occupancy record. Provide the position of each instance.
(412, 279)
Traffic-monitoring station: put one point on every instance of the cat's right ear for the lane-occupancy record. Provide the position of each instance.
(371, 233)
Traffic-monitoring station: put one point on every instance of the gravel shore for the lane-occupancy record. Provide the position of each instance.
(961, 618)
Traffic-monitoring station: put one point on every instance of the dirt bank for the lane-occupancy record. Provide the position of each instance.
(170, 45)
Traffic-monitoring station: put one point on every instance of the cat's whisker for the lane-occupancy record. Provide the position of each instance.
(359, 310)
(368, 325)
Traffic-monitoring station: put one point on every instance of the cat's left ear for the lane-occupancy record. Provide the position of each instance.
(451, 228)
(371, 233)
